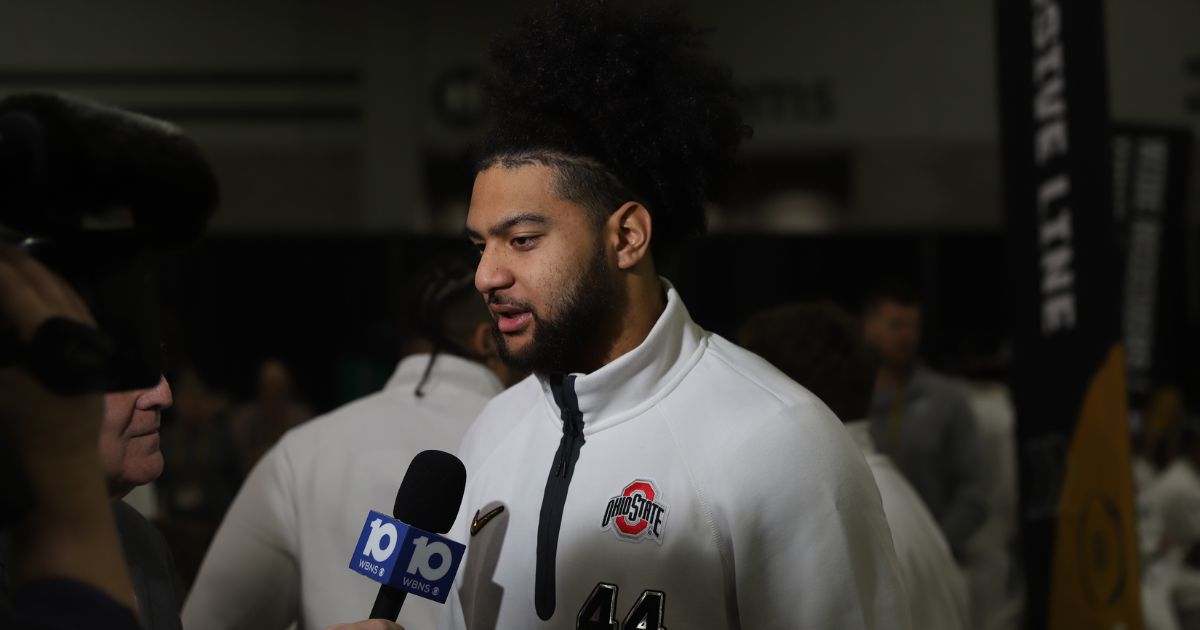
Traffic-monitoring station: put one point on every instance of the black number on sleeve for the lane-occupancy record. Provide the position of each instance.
(599, 611)
(647, 613)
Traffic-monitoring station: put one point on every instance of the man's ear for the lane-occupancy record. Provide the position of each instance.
(630, 227)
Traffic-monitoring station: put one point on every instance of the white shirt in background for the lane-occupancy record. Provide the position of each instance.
(995, 586)
(937, 591)
(283, 550)
(1173, 499)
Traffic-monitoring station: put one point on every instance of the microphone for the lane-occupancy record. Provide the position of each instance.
(70, 166)
(100, 188)
(405, 554)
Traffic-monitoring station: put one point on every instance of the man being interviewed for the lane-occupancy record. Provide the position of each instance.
(649, 474)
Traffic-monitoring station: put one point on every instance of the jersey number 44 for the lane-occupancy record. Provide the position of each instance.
(600, 610)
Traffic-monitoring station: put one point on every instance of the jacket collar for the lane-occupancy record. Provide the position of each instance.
(639, 378)
(860, 430)
(447, 370)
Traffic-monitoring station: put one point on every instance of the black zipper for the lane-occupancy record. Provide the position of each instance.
(555, 497)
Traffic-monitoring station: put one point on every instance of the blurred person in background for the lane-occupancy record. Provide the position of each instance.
(1158, 427)
(258, 424)
(992, 557)
(1171, 573)
(923, 421)
(64, 567)
(280, 555)
(202, 472)
(820, 346)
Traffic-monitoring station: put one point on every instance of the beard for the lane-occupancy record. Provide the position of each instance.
(582, 321)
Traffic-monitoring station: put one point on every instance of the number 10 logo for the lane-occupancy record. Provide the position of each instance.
(375, 546)
(599, 611)
(424, 552)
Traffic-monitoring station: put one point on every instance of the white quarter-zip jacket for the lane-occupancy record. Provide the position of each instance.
(686, 485)
(282, 552)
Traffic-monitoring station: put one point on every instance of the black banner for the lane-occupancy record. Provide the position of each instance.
(1150, 170)
(1069, 373)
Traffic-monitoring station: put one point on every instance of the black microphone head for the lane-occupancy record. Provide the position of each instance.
(431, 492)
(69, 163)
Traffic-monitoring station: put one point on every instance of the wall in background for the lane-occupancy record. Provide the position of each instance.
(334, 117)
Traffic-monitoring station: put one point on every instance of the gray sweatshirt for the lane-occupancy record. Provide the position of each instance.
(932, 437)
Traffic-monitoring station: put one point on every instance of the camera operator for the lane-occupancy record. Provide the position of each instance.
(66, 558)
(91, 191)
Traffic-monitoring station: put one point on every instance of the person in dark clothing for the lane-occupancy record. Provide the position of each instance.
(151, 568)
(64, 569)
(924, 422)
(130, 456)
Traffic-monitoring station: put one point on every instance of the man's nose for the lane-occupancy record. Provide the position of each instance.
(492, 273)
(157, 397)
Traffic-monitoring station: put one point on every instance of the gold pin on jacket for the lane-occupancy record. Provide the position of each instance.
(478, 522)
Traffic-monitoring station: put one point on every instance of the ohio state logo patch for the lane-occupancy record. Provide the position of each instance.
(637, 513)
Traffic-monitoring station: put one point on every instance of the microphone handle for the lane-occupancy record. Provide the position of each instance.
(388, 603)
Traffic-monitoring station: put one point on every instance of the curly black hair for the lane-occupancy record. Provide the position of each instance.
(622, 103)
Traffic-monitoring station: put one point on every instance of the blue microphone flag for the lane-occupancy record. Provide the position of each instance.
(407, 558)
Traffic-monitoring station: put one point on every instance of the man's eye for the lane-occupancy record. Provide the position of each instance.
(522, 242)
